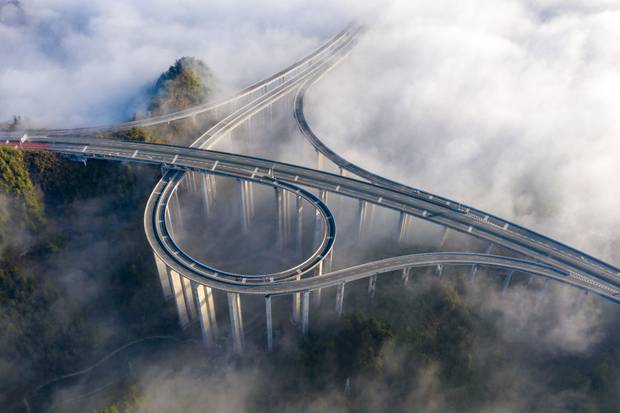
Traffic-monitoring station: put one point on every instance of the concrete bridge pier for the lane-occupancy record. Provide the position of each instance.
(339, 299)
(444, 236)
(319, 161)
(279, 219)
(297, 304)
(316, 294)
(318, 223)
(474, 273)
(269, 318)
(506, 283)
(361, 218)
(205, 308)
(247, 203)
(323, 195)
(403, 224)
(372, 286)
(326, 265)
(300, 225)
(190, 179)
(286, 213)
(329, 260)
(236, 320)
(179, 299)
(318, 226)
(188, 295)
(405, 275)
(208, 192)
(316, 298)
(305, 311)
(163, 277)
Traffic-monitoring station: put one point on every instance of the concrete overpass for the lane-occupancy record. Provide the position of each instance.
(191, 282)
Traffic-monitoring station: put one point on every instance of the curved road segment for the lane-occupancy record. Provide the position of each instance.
(544, 257)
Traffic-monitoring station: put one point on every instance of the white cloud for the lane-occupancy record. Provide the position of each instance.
(508, 106)
(73, 63)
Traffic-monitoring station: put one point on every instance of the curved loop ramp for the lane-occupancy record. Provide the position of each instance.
(190, 282)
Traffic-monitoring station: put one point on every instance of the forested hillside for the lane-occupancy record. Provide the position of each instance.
(76, 273)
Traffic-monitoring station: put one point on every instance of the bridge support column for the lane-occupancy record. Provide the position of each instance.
(236, 320)
(205, 308)
(305, 311)
(403, 224)
(329, 260)
(339, 299)
(361, 219)
(297, 304)
(323, 195)
(316, 297)
(405, 275)
(163, 277)
(319, 161)
(179, 299)
(507, 279)
(279, 218)
(286, 208)
(208, 192)
(318, 225)
(444, 236)
(372, 286)
(316, 294)
(189, 298)
(300, 225)
(474, 272)
(247, 203)
(269, 322)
